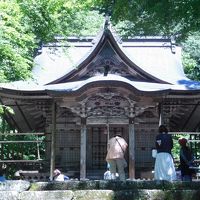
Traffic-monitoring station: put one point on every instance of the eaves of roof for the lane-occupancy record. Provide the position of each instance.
(182, 87)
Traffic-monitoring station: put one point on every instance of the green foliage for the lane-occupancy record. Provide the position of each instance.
(1, 110)
(17, 151)
(191, 56)
(4, 108)
(41, 17)
(90, 24)
(190, 65)
(171, 17)
(15, 43)
(25, 24)
(48, 18)
(21, 151)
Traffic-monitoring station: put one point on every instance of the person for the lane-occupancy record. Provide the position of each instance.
(164, 165)
(186, 160)
(18, 175)
(107, 175)
(115, 156)
(2, 177)
(58, 176)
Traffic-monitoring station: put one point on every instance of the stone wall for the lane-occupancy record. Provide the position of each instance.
(99, 190)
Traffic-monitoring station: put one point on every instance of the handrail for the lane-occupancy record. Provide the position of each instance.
(36, 141)
(20, 141)
(22, 161)
(13, 134)
(184, 133)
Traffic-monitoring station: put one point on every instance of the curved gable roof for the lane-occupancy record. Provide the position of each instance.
(105, 50)
(150, 59)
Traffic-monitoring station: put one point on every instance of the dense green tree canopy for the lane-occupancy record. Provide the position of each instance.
(15, 43)
(150, 17)
(48, 18)
(191, 56)
(25, 24)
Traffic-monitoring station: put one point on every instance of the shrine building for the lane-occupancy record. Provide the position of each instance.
(85, 90)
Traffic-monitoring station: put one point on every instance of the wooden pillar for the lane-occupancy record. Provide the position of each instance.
(3, 131)
(53, 142)
(83, 150)
(161, 114)
(131, 149)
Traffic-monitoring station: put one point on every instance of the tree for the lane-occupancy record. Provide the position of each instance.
(177, 18)
(191, 56)
(49, 18)
(15, 43)
(147, 17)
(27, 24)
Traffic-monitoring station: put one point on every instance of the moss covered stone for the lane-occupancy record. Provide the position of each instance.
(101, 190)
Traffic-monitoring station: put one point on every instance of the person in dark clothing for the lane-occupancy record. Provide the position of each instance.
(186, 160)
(2, 177)
(164, 165)
(164, 142)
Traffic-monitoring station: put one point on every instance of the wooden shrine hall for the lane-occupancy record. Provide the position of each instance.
(85, 90)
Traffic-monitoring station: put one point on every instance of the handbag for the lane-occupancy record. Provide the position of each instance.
(154, 153)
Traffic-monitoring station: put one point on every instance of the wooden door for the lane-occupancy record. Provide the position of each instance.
(97, 145)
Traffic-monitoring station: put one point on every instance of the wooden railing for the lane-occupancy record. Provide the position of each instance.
(4, 141)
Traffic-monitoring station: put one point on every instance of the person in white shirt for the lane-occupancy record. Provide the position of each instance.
(58, 176)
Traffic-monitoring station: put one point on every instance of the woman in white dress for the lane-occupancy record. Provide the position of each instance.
(164, 164)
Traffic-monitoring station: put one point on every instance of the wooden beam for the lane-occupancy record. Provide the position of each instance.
(23, 115)
(21, 96)
(190, 116)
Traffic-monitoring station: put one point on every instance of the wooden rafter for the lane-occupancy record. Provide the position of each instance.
(23, 115)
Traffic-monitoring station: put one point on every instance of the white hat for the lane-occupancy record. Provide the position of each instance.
(57, 172)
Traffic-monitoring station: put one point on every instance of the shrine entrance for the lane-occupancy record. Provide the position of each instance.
(97, 139)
